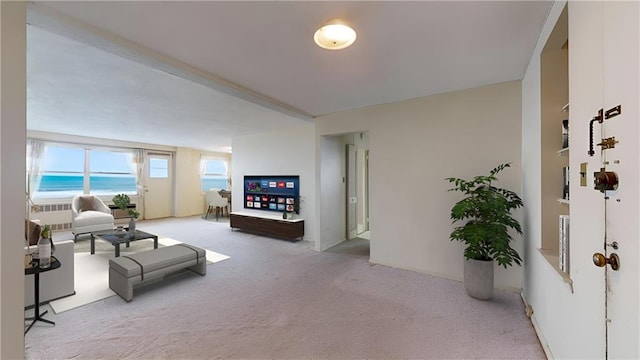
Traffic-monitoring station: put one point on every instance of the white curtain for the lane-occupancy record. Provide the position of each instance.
(203, 166)
(35, 159)
(136, 164)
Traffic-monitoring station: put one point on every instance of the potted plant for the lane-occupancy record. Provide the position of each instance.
(486, 213)
(122, 201)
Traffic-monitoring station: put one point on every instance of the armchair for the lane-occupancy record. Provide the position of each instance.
(89, 214)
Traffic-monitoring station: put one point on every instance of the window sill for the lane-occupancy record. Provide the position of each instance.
(553, 259)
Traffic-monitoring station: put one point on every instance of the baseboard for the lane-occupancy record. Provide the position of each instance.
(512, 289)
(536, 328)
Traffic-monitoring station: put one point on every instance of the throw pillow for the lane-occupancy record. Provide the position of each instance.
(86, 203)
(32, 231)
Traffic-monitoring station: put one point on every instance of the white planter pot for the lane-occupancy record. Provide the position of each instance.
(478, 278)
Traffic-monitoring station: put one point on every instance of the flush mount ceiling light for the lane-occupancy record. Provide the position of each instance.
(335, 35)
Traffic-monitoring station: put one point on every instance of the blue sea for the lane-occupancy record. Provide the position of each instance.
(220, 184)
(97, 183)
(106, 184)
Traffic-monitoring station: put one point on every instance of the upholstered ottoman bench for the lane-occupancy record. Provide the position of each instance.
(127, 272)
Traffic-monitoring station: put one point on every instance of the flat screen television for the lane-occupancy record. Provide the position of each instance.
(272, 193)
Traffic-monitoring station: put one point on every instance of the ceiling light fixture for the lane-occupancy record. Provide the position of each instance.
(335, 35)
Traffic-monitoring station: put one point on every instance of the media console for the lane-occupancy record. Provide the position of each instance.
(270, 224)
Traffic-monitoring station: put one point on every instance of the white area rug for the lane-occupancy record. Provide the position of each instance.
(92, 276)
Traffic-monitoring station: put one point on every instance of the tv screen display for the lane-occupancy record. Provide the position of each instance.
(272, 193)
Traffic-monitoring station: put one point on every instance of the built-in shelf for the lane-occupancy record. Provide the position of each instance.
(554, 260)
(563, 201)
(564, 151)
(565, 108)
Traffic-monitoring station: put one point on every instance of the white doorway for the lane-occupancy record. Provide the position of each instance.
(339, 220)
(357, 185)
(158, 185)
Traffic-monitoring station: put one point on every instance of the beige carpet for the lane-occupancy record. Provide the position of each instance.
(92, 271)
(276, 299)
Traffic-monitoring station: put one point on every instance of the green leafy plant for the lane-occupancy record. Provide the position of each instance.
(46, 232)
(134, 213)
(487, 212)
(122, 201)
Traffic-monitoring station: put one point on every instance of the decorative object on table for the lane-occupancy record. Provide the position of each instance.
(44, 248)
(487, 212)
(565, 133)
(565, 188)
(563, 246)
(122, 201)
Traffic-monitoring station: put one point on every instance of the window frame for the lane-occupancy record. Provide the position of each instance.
(86, 173)
(203, 173)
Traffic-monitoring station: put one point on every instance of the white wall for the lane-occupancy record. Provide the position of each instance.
(413, 146)
(286, 152)
(571, 324)
(544, 289)
(13, 117)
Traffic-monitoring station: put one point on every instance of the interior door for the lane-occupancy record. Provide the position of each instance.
(604, 73)
(621, 81)
(587, 206)
(158, 186)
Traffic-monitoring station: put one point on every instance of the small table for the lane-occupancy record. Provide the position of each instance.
(35, 270)
(119, 213)
(116, 238)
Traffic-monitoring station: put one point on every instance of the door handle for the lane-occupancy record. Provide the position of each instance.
(600, 260)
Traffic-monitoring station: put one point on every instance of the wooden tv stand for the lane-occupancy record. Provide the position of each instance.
(268, 224)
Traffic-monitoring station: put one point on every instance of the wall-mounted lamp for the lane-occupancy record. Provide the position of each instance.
(335, 35)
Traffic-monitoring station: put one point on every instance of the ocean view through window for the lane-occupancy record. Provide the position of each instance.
(64, 173)
(214, 174)
(73, 184)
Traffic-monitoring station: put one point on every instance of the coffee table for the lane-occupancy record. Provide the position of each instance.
(117, 237)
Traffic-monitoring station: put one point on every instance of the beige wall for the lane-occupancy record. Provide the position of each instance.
(413, 146)
(13, 117)
(189, 197)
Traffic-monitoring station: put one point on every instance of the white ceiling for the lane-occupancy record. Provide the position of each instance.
(197, 74)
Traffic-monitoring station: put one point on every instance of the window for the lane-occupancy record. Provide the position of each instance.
(214, 174)
(71, 170)
(158, 168)
(62, 172)
(110, 173)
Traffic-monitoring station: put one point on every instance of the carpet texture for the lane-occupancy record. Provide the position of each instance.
(92, 271)
(276, 299)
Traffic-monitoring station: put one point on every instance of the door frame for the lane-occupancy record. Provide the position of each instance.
(149, 154)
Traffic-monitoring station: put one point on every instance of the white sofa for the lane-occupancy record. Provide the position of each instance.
(87, 221)
(56, 283)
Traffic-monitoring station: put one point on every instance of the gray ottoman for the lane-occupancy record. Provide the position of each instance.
(127, 272)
